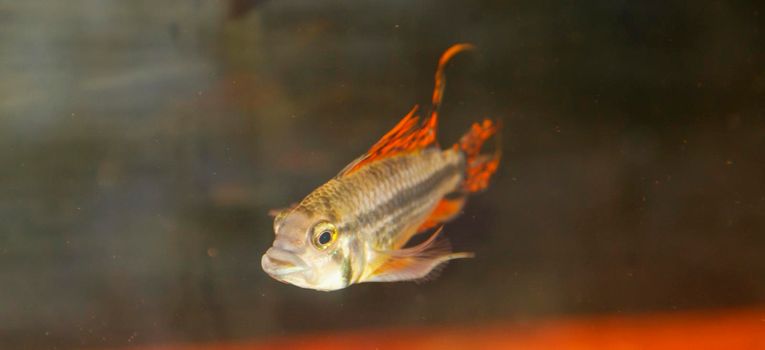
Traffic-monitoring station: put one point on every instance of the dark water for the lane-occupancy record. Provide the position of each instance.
(141, 146)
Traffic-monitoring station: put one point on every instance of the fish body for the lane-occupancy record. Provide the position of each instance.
(355, 227)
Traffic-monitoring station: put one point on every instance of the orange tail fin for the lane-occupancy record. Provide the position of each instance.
(480, 167)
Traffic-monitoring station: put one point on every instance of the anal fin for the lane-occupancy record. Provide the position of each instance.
(415, 263)
(445, 210)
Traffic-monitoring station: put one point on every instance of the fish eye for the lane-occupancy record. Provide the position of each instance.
(324, 234)
(325, 237)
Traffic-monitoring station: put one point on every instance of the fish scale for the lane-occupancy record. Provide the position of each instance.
(409, 188)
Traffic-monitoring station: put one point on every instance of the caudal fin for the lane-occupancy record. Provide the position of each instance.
(480, 167)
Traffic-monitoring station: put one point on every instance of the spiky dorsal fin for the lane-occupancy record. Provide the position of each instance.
(438, 90)
(407, 136)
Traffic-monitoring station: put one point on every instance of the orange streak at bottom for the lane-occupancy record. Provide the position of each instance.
(730, 330)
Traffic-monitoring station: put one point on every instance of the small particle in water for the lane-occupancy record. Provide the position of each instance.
(212, 252)
(728, 162)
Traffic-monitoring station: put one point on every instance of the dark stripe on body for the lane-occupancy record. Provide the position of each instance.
(410, 199)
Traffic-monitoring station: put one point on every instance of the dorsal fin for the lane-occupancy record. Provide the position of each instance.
(408, 135)
(438, 90)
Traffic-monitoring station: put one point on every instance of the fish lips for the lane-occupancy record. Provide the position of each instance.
(278, 263)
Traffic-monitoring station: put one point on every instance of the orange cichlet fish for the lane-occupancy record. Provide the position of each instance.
(355, 227)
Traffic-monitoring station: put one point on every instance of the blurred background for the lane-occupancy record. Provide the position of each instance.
(143, 143)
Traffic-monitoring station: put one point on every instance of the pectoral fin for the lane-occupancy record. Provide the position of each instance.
(415, 263)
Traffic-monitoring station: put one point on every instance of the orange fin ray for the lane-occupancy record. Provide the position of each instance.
(407, 136)
(438, 91)
(480, 167)
(416, 263)
(446, 209)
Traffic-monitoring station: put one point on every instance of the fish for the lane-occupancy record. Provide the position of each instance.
(356, 227)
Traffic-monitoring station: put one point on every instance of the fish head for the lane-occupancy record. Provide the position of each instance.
(310, 251)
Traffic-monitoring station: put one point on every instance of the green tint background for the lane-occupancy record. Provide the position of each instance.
(142, 144)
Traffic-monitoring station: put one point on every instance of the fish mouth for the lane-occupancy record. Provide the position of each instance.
(279, 262)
